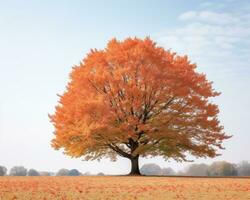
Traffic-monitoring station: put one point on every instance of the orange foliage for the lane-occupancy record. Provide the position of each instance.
(136, 99)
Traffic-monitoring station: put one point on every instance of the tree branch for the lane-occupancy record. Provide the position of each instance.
(119, 151)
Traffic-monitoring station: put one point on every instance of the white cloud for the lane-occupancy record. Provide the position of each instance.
(210, 4)
(218, 41)
(220, 18)
(188, 15)
(208, 17)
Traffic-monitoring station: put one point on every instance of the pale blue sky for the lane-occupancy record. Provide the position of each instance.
(41, 40)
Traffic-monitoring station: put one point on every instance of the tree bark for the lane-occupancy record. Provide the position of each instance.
(135, 166)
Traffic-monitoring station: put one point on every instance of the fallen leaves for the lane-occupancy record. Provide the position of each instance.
(123, 187)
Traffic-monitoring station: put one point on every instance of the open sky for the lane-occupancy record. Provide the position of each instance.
(40, 41)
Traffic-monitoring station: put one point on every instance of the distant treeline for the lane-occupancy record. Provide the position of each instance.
(22, 171)
(218, 168)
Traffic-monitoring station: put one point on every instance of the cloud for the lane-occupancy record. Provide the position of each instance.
(208, 17)
(214, 4)
(188, 15)
(219, 42)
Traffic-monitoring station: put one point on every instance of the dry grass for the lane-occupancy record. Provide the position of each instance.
(122, 188)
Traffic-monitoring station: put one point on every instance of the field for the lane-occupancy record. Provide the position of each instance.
(123, 187)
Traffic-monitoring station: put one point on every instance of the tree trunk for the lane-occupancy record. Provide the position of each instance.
(135, 166)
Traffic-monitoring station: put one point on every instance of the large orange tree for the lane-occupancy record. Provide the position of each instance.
(136, 99)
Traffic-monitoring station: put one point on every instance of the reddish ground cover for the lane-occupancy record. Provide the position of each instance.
(122, 188)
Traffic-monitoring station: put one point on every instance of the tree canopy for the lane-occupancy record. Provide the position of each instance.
(151, 169)
(222, 168)
(3, 171)
(33, 172)
(133, 99)
(18, 171)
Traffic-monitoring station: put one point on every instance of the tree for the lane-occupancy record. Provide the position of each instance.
(180, 173)
(74, 172)
(197, 170)
(100, 174)
(3, 171)
(33, 172)
(44, 173)
(151, 169)
(222, 168)
(243, 168)
(87, 174)
(167, 172)
(18, 171)
(135, 99)
(62, 172)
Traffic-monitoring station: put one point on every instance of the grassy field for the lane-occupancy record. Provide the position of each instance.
(123, 187)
